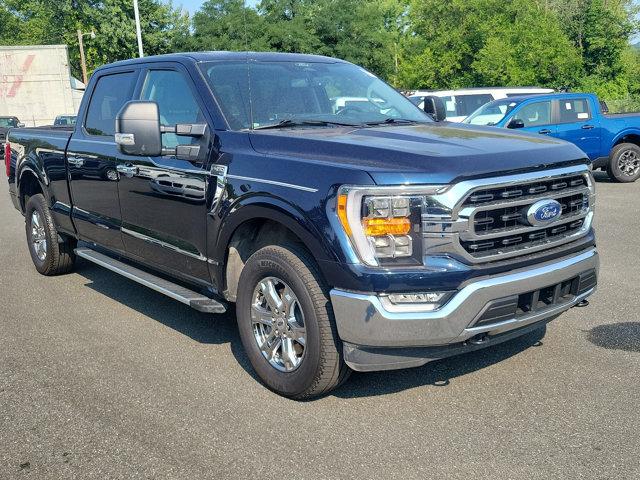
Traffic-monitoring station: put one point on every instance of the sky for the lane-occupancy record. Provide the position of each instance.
(192, 6)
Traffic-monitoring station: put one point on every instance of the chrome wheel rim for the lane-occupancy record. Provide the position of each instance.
(629, 163)
(38, 236)
(278, 324)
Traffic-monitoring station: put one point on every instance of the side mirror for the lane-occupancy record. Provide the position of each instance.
(21, 125)
(434, 106)
(138, 129)
(516, 123)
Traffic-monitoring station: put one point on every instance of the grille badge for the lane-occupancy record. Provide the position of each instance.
(544, 212)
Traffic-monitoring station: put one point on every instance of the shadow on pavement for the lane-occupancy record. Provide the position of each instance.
(616, 336)
(602, 177)
(220, 329)
(438, 373)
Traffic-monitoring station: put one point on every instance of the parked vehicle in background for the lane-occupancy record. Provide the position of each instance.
(64, 121)
(365, 238)
(5, 124)
(461, 103)
(611, 141)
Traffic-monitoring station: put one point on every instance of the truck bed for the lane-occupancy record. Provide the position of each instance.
(621, 115)
(49, 166)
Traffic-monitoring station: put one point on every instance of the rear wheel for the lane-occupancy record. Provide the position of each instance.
(624, 163)
(286, 323)
(51, 253)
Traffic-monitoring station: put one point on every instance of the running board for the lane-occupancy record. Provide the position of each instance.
(195, 300)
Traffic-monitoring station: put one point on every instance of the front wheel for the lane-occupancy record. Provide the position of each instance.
(624, 163)
(286, 323)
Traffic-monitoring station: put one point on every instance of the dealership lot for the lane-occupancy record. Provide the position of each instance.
(102, 378)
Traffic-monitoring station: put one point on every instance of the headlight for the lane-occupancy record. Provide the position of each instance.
(384, 224)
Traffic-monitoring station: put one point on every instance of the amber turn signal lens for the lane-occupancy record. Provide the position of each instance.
(375, 227)
(342, 213)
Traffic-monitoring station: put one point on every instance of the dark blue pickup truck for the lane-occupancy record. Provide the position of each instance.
(350, 234)
(611, 141)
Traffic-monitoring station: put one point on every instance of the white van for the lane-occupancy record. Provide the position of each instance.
(461, 103)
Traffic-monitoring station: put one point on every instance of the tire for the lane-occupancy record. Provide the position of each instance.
(321, 367)
(624, 163)
(51, 254)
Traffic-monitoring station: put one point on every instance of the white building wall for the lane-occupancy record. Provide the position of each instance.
(36, 84)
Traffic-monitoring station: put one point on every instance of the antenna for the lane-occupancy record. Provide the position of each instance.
(244, 17)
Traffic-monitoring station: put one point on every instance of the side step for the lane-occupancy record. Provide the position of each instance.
(195, 300)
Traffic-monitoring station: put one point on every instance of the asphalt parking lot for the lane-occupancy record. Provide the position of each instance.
(103, 378)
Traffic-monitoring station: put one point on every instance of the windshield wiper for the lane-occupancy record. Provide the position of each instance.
(288, 122)
(391, 121)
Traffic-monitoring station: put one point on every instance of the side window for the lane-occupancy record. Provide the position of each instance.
(467, 104)
(450, 106)
(535, 114)
(109, 95)
(176, 102)
(574, 110)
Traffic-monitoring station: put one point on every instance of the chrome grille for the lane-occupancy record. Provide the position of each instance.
(497, 216)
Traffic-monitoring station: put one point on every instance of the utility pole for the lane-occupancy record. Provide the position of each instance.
(136, 13)
(83, 62)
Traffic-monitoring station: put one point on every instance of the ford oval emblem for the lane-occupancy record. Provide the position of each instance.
(544, 212)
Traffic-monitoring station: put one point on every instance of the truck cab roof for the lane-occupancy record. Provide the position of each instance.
(212, 56)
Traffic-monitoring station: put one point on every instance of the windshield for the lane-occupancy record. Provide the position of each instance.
(8, 122)
(262, 94)
(492, 113)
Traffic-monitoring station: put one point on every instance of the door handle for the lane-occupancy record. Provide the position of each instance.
(75, 161)
(544, 131)
(127, 170)
(587, 127)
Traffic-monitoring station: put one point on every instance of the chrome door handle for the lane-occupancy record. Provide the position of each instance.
(75, 161)
(544, 131)
(587, 127)
(127, 170)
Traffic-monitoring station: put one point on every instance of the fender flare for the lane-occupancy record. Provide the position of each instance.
(27, 168)
(622, 134)
(279, 211)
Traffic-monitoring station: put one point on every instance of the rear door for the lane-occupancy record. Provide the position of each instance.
(576, 124)
(92, 160)
(163, 203)
(537, 117)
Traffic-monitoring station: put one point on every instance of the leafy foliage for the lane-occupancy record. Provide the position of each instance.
(35, 22)
(578, 44)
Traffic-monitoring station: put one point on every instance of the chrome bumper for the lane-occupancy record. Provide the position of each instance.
(364, 320)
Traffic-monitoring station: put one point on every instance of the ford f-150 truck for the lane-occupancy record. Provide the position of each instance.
(358, 236)
(611, 141)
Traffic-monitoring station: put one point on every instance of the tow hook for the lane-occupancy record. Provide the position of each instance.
(479, 339)
(582, 303)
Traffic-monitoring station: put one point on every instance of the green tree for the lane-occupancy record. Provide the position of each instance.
(56, 22)
(227, 25)
(461, 43)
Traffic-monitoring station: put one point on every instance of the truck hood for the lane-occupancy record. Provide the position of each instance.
(436, 153)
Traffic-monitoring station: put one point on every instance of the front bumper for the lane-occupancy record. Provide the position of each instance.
(482, 309)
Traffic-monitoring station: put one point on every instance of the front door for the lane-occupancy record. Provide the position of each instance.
(536, 117)
(92, 162)
(163, 200)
